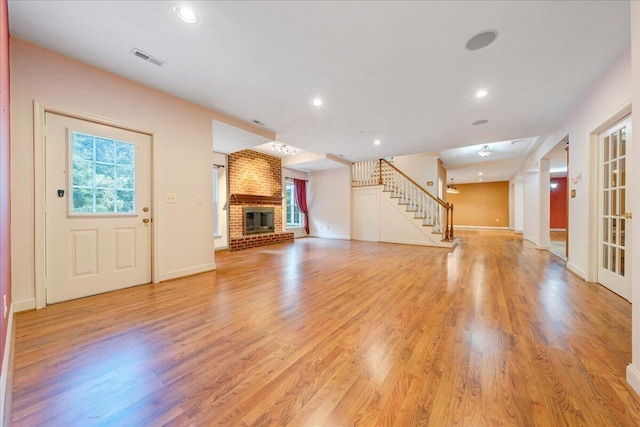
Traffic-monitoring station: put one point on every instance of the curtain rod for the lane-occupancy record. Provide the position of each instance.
(288, 177)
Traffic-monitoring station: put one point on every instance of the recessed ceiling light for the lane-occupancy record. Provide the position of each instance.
(481, 40)
(480, 180)
(481, 93)
(186, 14)
(480, 122)
(317, 102)
(377, 142)
(480, 173)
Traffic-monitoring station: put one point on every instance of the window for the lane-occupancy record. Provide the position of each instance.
(102, 175)
(294, 216)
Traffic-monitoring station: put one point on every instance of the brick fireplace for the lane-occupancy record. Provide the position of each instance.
(255, 180)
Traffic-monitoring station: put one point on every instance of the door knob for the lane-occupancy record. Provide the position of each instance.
(146, 220)
(145, 209)
(627, 215)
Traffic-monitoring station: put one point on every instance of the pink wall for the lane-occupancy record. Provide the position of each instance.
(5, 240)
(558, 204)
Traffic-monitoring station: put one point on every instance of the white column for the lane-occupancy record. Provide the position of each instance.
(518, 205)
(531, 211)
(544, 195)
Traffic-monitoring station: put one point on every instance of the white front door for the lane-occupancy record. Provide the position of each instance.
(97, 208)
(614, 227)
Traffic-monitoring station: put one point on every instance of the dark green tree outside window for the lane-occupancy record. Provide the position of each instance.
(102, 175)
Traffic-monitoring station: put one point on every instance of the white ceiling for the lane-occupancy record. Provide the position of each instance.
(394, 71)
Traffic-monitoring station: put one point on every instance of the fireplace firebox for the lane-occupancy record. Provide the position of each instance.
(258, 220)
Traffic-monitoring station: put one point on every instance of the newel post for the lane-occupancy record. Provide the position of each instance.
(379, 171)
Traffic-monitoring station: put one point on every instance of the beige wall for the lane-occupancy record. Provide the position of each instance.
(329, 202)
(607, 101)
(482, 204)
(181, 156)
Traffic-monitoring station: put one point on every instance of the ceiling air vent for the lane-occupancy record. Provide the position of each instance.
(155, 61)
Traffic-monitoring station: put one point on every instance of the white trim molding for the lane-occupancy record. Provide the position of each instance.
(576, 270)
(330, 236)
(633, 377)
(6, 377)
(24, 305)
(479, 227)
(187, 271)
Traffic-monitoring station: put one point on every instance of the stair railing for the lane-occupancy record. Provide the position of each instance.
(432, 210)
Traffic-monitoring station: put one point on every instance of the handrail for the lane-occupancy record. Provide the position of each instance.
(448, 207)
(437, 199)
(432, 209)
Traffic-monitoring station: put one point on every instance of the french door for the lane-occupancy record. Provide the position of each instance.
(614, 225)
(97, 208)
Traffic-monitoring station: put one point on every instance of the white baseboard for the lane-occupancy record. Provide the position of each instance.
(544, 247)
(517, 231)
(633, 377)
(221, 248)
(531, 239)
(576, 270)
(6, 377)
(332, 236)
(433, 244)
(187, 271)
(479, 227)
(24, 305)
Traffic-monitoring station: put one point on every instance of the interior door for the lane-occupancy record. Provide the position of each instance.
(614, 225)
(97, 208)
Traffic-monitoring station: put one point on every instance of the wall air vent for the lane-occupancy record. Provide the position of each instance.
(145, 56)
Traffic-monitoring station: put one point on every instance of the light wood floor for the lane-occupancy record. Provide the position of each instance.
(337, 333)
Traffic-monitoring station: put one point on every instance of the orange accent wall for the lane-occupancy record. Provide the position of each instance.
(481, 204)
(5, 221)
(558, 204)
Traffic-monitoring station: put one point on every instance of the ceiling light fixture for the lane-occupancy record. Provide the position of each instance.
(479, 173)
(283, 148)
(452, 189)
(480, 180)
(481, 93)
(377, 142)
(484, 151)
(482, 39)
(186, 14)
(316, 102)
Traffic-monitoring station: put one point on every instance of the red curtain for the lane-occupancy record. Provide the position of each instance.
(300, 186)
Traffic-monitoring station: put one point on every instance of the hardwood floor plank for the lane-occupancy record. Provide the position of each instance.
(329, 332)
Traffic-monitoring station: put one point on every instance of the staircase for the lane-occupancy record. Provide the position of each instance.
(432, 217)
